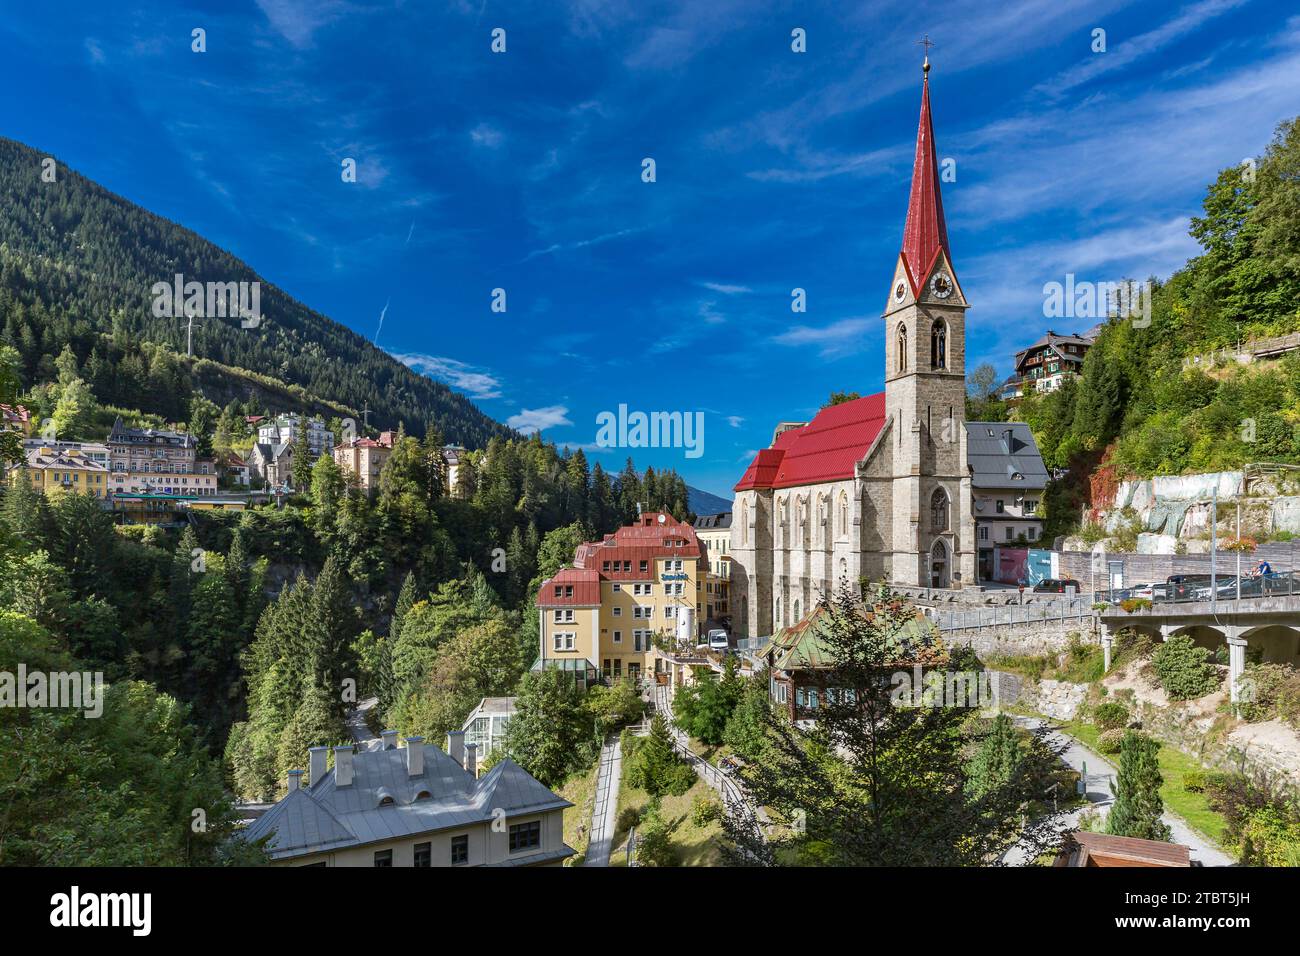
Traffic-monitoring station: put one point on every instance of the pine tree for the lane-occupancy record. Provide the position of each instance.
(331, 628)
(300, 469)
(996, 762)
(1138, 808)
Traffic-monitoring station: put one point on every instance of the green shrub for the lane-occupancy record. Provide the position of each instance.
(1131, 645)
(1135, 604)
(1109, 741)
(1111, 715)
(653, 842)
(628, 817)
(1271, 837)
(1083, 663)
(1184, 669)
(705, 810)
(1271, 691)
(1194, 781)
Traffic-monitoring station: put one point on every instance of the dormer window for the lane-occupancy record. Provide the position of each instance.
(423, 795)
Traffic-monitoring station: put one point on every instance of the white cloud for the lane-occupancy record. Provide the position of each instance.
(838, 338)
(474, 382)
(735, 421)
(1187, 21)
(725, 288)
(297, 20)
(486, 135)
(536, 419)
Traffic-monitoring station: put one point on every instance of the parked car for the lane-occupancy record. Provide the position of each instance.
(718, 640)
(1056, 586)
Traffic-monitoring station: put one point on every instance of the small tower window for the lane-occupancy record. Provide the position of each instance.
(902, 348)
(939, 510)
(939, 344)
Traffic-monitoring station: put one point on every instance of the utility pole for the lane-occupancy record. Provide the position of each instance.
(189, 335)
(1214, 545)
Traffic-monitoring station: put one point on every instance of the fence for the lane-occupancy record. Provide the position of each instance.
(1064, 609)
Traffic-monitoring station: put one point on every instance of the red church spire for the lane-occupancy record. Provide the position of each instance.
(925, 233)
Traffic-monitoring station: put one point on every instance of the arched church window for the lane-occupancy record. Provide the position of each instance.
(796, 611)
(744, 522)
(939, 344)
(902, 347)
(939, 510)
(844, 514)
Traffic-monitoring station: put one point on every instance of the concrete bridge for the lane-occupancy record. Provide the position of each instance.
(1268, 625)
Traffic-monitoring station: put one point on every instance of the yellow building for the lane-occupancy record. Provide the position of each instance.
(641, 583)
(57, 470)
(714, 532)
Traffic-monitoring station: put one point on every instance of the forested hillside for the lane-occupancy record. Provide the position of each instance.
(1136, 410)
(77, 264)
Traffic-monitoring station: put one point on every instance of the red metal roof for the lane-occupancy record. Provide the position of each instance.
(826, 449)
(925, 232)
(577, 587)
(647, 540)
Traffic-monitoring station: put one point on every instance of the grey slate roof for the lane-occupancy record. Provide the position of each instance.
(326, 817)
(717, 521)
(995, 464)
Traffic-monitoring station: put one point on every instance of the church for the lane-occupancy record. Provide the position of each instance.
(876, 487)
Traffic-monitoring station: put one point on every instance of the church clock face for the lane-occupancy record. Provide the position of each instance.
(900, 290)
(941, 286)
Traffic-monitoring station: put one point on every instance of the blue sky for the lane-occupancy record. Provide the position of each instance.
(775, 170)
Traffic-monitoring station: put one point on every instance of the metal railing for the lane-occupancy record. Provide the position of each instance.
(1003, 615)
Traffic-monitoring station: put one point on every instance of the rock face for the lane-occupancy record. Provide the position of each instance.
(1173, 510)
(1055, 698)
(1025, 640)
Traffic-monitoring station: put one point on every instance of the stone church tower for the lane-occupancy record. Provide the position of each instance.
(932, 540)
(876, 488)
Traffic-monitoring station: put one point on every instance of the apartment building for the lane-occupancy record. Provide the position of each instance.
(157, 461)
(285, 429)
(1008, 479)
(714, 532)
(644, 581)
(54, 470)
(413, 806)
(365, 457)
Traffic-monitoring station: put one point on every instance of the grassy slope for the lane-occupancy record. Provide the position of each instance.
(1174, 766)
(696, 846)
(580, 790)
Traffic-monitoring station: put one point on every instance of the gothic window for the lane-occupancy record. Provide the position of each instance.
(820, 529)
(796, 611)
(939, 510)
(844, 514)
(744, 522)
(902, 347)
(939, 344)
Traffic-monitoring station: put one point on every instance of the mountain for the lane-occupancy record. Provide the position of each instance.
(704, 503)
(78, 265)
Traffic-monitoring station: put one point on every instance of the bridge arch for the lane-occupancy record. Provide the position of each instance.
(1273, 643)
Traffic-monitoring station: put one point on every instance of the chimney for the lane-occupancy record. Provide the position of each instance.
(1008, 439)
(471, 760)
(456, 746)
(295, 778)
(389, 738)
(317, 764)
(343, 766)
(415, 756)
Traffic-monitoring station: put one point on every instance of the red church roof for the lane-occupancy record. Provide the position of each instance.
(826, 449)
(925, 232)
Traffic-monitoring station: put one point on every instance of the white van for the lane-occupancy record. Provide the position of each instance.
(718, 640)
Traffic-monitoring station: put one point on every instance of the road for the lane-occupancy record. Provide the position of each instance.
(1099, 786)
(357, 724)
(605, 803)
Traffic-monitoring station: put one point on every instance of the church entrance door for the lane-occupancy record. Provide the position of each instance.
(939, 565)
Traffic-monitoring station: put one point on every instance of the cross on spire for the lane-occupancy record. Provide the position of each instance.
(926, 42)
